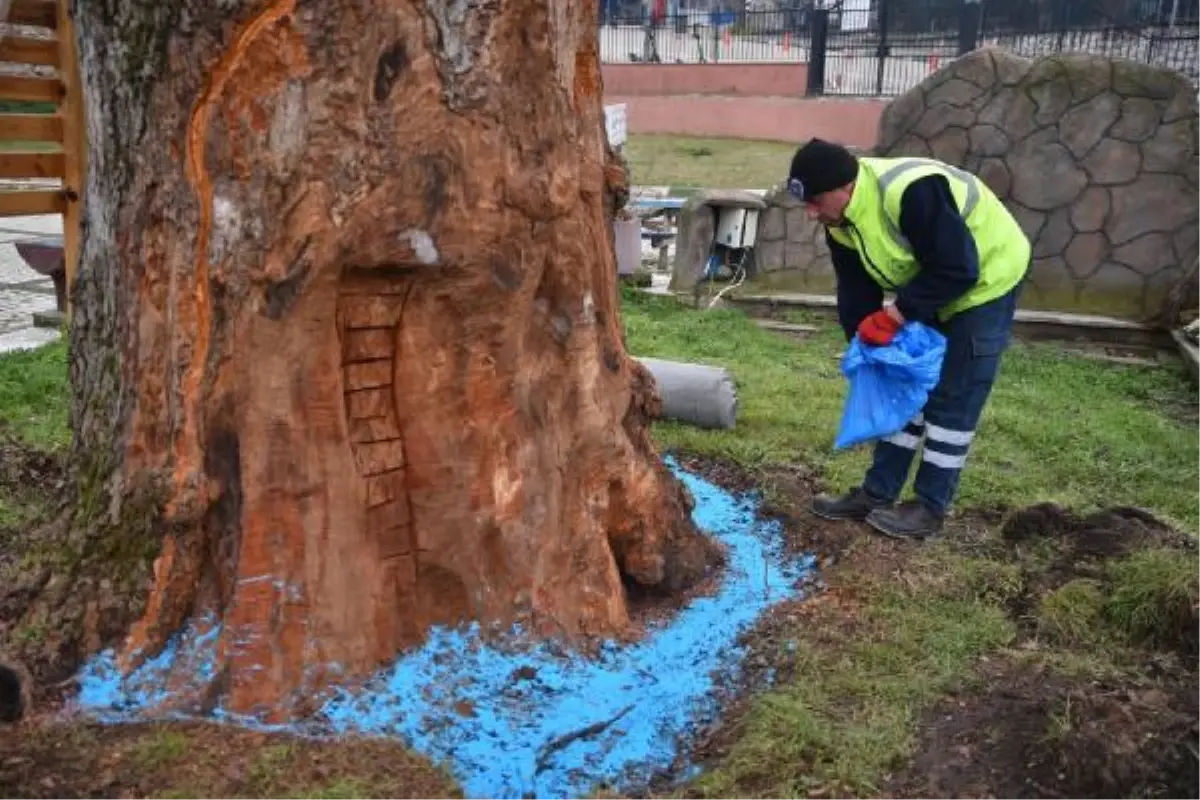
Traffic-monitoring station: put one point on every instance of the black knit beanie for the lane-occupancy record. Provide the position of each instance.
(820, 166)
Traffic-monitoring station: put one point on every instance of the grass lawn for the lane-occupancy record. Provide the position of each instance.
(687, 164)
(899, 626)
(1059, 428)
(33, 395)
(33, 406)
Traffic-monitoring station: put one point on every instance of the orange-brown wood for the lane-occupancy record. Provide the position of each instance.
(31, 165)
(24, 50)
(42, 13)
(74, 138)
(31, 127)
(19, 204)
(37, 90)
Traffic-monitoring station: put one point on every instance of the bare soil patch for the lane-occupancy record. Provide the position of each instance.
(1025, 731)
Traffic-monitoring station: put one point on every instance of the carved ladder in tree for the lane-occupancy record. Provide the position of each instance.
(43, 137)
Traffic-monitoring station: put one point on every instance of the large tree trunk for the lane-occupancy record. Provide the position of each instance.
(346, 330)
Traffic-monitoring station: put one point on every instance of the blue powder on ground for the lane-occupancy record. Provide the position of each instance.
(521, 719)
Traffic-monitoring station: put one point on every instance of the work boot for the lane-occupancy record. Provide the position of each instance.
(855, 504)
(911, 520)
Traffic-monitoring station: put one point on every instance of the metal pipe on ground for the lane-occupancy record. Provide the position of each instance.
(697, 394)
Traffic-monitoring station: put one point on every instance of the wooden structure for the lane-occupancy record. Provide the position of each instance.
(48, 144)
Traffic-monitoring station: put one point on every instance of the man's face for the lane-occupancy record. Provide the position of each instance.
(829, 208)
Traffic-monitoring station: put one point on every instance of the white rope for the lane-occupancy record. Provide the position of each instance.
(739, 276)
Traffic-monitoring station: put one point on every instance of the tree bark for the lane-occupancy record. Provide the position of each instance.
(346, 347)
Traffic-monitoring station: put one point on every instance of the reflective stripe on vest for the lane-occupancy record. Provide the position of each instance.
(896, 170)
(872, 228)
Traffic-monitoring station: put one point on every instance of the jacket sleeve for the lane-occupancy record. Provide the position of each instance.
(857, 295)
(943, 246)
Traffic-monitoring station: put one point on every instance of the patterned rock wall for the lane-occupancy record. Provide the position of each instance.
(1097, 158)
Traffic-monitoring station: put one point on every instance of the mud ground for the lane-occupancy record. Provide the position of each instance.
(1014, 728)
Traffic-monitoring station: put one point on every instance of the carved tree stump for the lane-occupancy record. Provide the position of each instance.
(346, 331)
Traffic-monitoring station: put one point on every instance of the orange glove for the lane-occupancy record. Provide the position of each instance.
(878, 329)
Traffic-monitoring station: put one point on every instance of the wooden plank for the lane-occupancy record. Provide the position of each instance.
(74, 146)
(42, 13)
(25, 50)
(31, 165)
(37, 90)
(31, 127)
(20, 204)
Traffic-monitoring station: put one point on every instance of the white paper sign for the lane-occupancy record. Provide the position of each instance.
(615, 125)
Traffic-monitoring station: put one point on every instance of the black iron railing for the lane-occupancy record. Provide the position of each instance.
(706, 37)
(885, 47)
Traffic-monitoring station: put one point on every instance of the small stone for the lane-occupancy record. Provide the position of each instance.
(1089, 75)
(939, 117)
(1011, 69)
(950, 146)
(910, 145)
(1135, 79)
(797, 255)
(1050, 90)
(1171, 148)
(1139, 120)
(1083, 126)
(1090, 209)
(1185, 242)
(1045, 176)
(1174, 204)
(1085, 253)
(977, 68)
(958, 92)
(988, 140)
(994, 173)
(769, 255)
(1146, 254)
(799, 226)
(1055, 236)
(772, 226)
(1184, 105)
(1030, 221)
(1113, 162)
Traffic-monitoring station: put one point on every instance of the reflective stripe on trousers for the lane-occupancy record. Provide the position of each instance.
(975, 341)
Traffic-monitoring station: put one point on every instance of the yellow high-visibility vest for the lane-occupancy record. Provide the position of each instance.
(873, 229)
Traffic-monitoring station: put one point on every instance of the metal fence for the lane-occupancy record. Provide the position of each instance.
(885, 47)
(701, 37)
(883, 50)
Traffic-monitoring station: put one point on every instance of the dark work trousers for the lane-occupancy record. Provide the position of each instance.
(975, 341)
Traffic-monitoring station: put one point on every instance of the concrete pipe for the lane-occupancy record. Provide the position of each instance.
(696, 394)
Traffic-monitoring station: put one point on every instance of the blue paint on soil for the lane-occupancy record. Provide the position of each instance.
(521, 719)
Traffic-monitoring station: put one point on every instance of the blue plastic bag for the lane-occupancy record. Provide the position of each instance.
(889, 385)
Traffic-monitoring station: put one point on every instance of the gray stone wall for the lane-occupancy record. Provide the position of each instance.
(1097, 158)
